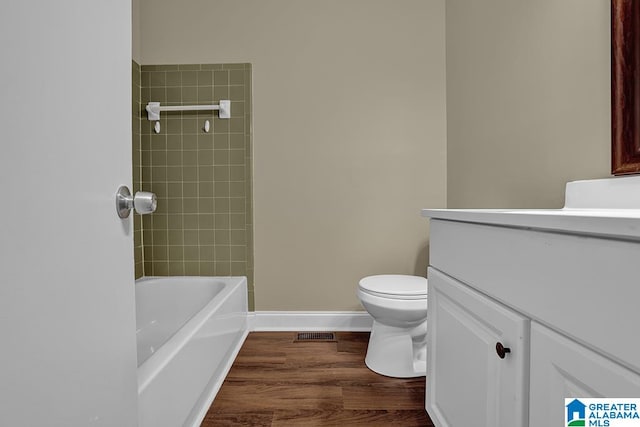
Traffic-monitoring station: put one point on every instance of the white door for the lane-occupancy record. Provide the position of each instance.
(67, 323)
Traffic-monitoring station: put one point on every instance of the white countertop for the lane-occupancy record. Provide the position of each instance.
(604, 207)
(617, 223)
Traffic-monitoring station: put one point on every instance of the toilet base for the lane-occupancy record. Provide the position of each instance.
(397, 352)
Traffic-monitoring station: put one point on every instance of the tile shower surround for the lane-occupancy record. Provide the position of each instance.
(137, 166)
(203, 225)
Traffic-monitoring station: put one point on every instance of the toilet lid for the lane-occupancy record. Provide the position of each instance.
(395, 285)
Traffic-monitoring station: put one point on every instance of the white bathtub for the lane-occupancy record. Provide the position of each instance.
(189, 330)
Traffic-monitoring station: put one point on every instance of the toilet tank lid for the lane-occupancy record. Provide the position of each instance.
(395, 284)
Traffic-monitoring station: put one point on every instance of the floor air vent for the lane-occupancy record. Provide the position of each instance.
(315, 336)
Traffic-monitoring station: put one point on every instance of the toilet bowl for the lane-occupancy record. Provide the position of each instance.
(398, 342)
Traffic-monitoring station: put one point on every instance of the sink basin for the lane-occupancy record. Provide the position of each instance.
(605, 194)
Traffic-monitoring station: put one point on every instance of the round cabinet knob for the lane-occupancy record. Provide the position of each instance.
(502, 350)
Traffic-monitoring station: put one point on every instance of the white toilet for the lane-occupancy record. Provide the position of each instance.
(398, 342)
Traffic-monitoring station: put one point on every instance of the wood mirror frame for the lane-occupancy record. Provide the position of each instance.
(625, 87)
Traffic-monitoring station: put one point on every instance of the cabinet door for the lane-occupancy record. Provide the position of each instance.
(468, 384)
(562, 368)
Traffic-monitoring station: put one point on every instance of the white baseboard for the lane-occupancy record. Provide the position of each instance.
(354, 321)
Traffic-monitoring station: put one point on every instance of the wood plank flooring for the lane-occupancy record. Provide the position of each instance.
(275, 381)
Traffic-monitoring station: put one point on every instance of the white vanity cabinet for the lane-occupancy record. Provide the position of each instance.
(561, 368)
(472, 382)
(559, 288)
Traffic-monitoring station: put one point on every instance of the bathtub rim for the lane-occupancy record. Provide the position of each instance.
(164, 291)
(150, 368)
(202, 406)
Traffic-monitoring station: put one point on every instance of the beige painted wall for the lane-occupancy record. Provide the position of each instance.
(528, 104)
(349, 131)
(135, 30)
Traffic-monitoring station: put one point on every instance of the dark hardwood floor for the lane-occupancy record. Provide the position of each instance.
(278, 382)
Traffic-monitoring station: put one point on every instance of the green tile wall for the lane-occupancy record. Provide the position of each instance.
(203, 225)
(137, 166)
